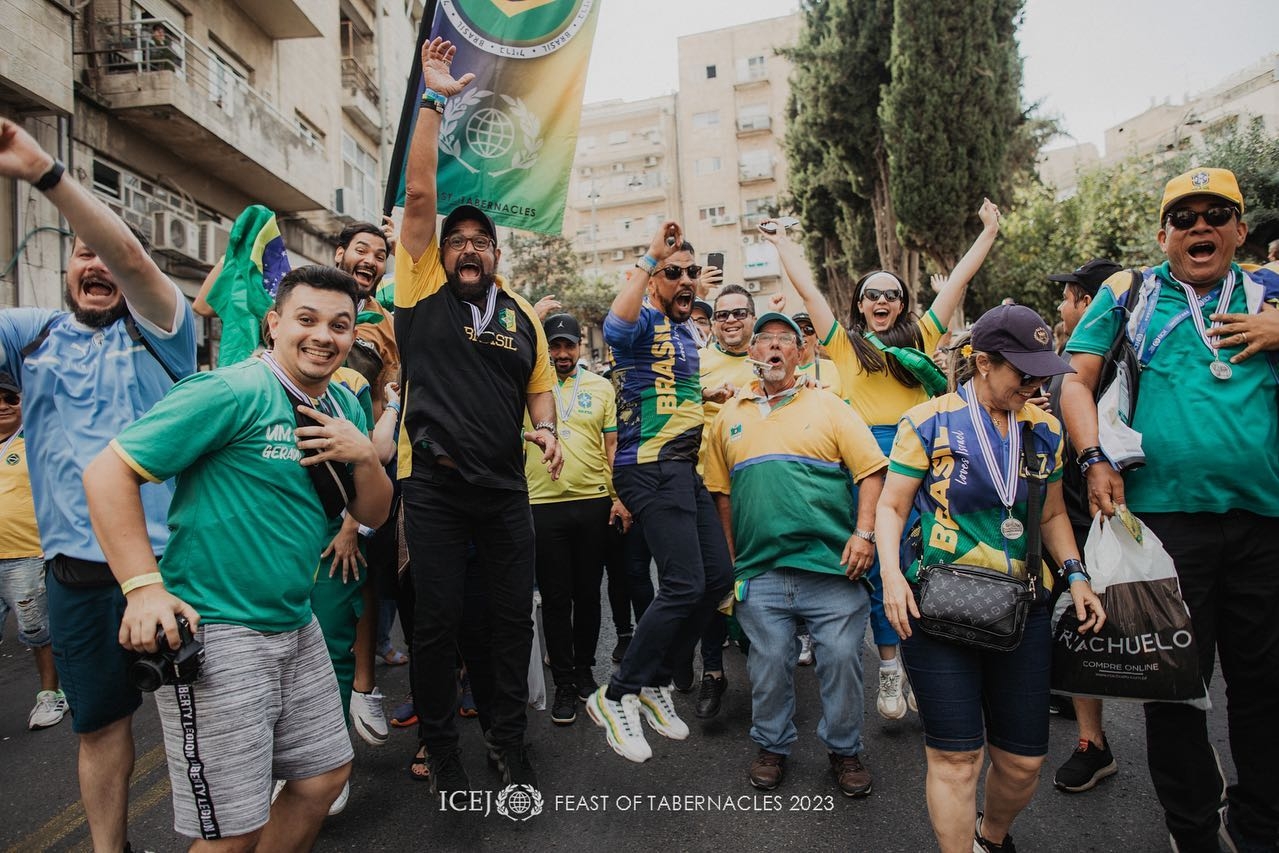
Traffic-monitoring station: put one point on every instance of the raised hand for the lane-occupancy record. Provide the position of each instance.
(989, 215)
(20, 155)
(437, 57)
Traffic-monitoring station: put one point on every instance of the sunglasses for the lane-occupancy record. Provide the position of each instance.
(10, 399)
(887, 295)
(674, 273)
(1027, 379)
(1183, 219)
(807, 330)
(457, 242)
(735, 313)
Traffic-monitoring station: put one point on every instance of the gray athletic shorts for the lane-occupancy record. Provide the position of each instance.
(265, 707)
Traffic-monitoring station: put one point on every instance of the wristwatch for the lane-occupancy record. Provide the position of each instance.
(868, 535)
(51, 178)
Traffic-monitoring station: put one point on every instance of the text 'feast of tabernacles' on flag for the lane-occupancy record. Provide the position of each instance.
(507, 141)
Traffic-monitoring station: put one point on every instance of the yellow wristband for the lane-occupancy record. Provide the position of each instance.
(141, 580)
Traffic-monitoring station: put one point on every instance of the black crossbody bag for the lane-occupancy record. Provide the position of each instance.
(980, 607)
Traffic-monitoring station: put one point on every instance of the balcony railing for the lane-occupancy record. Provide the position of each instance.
(747, 174)
(355, 76)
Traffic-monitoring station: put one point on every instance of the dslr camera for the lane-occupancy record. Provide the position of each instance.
(149, 672)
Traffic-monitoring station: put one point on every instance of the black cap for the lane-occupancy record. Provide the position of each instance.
(8, 383)
(705, 306)
(1022, 337)
(1090, 276)
(801, 316)
(562, 326)
(464, 212)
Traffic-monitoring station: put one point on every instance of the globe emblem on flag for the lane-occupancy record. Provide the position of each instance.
(489, 133)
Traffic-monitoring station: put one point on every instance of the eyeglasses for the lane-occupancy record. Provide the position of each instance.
(10, 399)
(783, 338)
(1026, 378)
(1183, 218)
(875, 295)
(674, 273)
(457, 242)
(735, 313)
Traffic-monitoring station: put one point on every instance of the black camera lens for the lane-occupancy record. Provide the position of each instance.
(147, 673)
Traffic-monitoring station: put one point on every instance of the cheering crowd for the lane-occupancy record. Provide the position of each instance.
(797, 480)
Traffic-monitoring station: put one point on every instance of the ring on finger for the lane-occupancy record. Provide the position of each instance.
(1243, 336)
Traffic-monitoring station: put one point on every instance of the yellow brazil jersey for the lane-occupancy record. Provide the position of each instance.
(720, 366)
(826, 373)
(878, 397)
(19, 536)
(587, 411)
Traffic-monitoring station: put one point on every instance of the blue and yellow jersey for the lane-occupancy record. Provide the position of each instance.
(787, 468)
(465, 390)
(959, 509)
(878, 397)
(659, 392)
(1184, 413)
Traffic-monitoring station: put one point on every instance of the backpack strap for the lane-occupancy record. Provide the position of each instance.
(39, 339)
(135, 334)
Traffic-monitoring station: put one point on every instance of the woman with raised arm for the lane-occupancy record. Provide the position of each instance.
(878, 384)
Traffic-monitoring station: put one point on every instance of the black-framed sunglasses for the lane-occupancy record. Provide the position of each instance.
(874, 295)
(673, 273)
(1027, 379)
(10, 399)
(735, 313)
(1183, 218)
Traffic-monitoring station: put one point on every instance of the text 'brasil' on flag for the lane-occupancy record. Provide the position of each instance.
(507, 141)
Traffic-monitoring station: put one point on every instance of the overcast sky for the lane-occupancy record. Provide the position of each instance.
(1094, 63)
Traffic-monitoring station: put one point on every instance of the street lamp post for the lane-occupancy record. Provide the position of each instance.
(595, 234)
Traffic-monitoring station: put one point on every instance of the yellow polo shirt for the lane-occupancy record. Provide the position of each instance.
(592, 413)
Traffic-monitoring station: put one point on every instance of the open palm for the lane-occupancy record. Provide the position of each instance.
(437, 56)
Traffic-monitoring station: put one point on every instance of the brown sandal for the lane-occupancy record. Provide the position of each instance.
(420, 768)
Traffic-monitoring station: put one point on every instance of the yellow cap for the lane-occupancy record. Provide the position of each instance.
(1218, 182)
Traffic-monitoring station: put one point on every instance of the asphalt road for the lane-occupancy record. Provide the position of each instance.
(594, 799)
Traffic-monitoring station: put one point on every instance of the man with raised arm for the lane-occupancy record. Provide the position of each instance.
(474, 360)
(86, 374)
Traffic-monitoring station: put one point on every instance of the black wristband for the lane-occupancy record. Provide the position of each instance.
(1070, 567)
(51, 178)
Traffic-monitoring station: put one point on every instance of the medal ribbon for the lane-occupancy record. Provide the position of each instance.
(1196, 316)
(4, 451)
(326, 403)
(1006, 480)
(565, 411)
(480, 322)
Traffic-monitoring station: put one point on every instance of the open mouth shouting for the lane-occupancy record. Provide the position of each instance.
(470, 269)
(97, 288)
(366, 275)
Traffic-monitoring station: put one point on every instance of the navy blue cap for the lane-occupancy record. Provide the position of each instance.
(1022, 337)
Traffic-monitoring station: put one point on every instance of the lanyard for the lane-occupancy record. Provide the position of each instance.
(563, 409)
(1193, 310)
(326, 403)
(480, 322)
(1005, 481)
(4, 451)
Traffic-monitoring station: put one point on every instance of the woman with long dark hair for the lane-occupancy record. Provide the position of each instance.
(878, 384)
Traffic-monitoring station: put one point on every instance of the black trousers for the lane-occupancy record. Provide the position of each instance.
(1228, 566)
(571, 541)
(630, 588)
(682, 530)
(443, 516)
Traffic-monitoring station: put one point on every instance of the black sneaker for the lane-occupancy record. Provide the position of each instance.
(619, 651)
(1085, 768)
(710, 695)
(516, 769)
(586, 685)
(985, 845)
(564, 708)
(1062, 706)
(447, 773)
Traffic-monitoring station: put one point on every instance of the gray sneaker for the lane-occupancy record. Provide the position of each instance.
(51, 707)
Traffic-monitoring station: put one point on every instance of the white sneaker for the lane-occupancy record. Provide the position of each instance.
(340, 803)
(805, 649)
(910, 695)
(891, 703)
(368, 718)
(621, 724)
(51, 707)
(659, 710)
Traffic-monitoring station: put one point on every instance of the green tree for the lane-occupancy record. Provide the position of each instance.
(949, 114)
(538, 264)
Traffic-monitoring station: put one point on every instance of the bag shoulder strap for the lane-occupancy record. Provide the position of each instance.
(1034, 509)
(135, 334)
(39, 339)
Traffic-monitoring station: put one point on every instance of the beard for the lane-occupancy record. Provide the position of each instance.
(97, 318)
(469, 292)
(374, 279)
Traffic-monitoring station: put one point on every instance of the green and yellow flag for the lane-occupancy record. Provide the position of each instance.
(507, 141)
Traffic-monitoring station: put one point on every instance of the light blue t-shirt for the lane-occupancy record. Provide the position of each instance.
(80, 388)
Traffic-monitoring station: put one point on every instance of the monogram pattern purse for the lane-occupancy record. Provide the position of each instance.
(980, 607)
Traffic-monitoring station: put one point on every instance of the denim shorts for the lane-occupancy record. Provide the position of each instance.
(22, 591)
(968, 697)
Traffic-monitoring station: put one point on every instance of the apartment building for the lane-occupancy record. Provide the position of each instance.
(179, 114)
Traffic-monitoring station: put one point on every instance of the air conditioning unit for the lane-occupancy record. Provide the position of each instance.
(619, 255)
(177, 236)
(640, 251)
(214, 237)
(752, 286)
(650, 161)
(723, 220)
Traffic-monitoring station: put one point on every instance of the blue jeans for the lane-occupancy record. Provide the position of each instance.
(22, 591)
(835, 610)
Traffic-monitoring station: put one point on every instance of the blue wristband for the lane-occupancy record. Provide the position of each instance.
(1076, 576)
(648, 264)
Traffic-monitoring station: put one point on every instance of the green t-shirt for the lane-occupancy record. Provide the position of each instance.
(246, 524)
(1209, 443)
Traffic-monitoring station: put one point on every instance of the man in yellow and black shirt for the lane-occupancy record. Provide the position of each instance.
(474, 359)
(572, 515)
